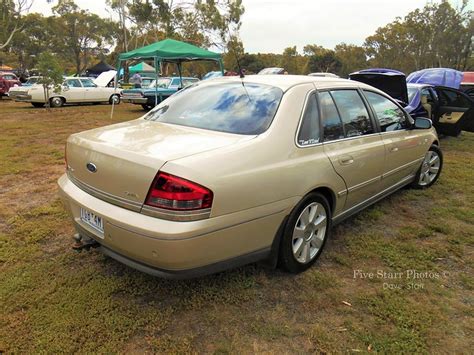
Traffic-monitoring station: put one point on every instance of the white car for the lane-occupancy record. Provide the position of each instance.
(73, 90)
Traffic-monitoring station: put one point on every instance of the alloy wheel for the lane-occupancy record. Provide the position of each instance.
(429, 168)
(309, 232)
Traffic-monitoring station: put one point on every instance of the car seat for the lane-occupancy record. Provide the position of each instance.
(426, 105)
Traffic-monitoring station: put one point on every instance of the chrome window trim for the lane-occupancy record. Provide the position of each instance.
(101, 195)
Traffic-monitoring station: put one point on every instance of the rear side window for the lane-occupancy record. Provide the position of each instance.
(390, 116)
(309, 129)
(332, 123)
(354, 114)
(230, 107)
(73, 83)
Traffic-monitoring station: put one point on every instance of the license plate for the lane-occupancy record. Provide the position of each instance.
(92, 220)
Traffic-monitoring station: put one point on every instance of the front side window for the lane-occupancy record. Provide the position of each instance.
(231, 107)
(332, 123)
(354, 115)
(309, 129)
(87, 83)
(389, 115)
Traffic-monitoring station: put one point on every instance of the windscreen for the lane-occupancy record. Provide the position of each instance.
(226, 107)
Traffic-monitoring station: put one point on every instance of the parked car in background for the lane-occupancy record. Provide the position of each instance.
(7, 80)
(212, 74)
(324, 74)
(271, 71)
(150, 97)
(429, 93)
(23, 89)
(467, 83)
(73, 90)
(231, 171)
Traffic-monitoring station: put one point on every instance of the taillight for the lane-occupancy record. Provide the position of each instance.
(174, 193)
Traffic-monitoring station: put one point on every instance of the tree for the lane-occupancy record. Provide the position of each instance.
(51, 75)
(436, 36)
(289, 60)
(11, 15)
(352, 58)
(80, 34)
(326, 62)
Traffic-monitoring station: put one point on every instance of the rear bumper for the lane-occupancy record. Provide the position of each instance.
(176, 249)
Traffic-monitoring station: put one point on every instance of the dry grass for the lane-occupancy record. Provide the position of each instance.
(54, 300)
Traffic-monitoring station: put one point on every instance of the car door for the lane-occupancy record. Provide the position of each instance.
(73, 90)
(404, 146)
(352, 144)
(455, 112)
(93, 93)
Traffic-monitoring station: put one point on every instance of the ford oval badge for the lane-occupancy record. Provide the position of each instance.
(91, 167)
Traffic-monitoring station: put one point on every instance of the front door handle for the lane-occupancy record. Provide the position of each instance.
(346, 160)
(394, 149)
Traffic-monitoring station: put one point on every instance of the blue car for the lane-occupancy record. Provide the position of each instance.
(431, 93)
(157, 91)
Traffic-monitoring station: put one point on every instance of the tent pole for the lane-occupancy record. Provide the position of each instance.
(115, 86)
(156, 81)
(221, 65)
(180, 76)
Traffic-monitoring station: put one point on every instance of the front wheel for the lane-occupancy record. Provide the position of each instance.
(305, 233)
(114, 99)
(147, 107)
(56, 101)
(430, 168)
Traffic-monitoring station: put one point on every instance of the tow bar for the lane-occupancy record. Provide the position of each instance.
(82, 242)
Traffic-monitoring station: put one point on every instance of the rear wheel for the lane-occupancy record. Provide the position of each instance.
(38, 104)
(430, 168)
(305, 233)
(56, 101)
(114, 99)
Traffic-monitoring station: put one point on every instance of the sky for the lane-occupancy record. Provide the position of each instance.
(269, 26)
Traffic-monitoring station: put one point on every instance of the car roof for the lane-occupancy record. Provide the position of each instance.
(285, 82)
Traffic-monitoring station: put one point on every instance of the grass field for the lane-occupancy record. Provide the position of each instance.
(55, 300)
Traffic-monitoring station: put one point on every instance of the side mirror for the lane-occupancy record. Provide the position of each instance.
(65, 87)
(422, 123)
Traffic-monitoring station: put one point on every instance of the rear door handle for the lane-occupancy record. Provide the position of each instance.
(394, 149)
(346, 160)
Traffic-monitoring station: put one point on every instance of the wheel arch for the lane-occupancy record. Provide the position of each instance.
(272, 260)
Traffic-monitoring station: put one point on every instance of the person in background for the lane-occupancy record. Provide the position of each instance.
(136, 80)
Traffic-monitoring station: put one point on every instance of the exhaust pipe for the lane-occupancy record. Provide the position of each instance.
(83, 242)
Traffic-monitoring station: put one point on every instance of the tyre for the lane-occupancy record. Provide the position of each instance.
(146, 107)
(114, 99)
(56, 101)
(37, 104)
(305, 233)
(430, 168)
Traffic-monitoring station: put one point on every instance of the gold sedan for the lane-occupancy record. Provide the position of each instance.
(230, 171)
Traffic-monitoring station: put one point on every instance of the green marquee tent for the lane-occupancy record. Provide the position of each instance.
(170, 50)
(141, 67)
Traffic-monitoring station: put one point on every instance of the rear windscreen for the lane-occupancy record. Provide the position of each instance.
(227, 107)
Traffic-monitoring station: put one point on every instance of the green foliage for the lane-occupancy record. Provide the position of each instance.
(436, 36)
(52, 74)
